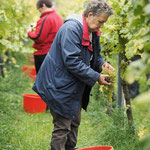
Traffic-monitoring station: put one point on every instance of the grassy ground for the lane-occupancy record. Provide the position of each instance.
(23, 131)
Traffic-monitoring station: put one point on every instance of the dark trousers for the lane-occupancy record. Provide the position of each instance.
(38, 59)
(64, 135)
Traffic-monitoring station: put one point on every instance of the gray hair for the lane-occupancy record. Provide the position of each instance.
(98, 7)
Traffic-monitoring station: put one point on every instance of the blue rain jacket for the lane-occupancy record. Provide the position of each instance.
(68, 73)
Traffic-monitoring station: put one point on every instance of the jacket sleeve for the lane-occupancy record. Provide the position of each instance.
(41, 31)
(71, 52)
(100, 61)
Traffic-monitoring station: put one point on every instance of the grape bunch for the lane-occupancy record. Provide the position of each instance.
(108, 89)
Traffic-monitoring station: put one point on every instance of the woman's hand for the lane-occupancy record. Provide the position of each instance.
(103, 79)
(107, 65)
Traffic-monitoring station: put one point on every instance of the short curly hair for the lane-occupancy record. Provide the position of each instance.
(98, 7)
(40, 3)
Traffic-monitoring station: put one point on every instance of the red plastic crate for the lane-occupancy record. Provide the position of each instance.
(29, 71)
(98, 148)
(32, 103)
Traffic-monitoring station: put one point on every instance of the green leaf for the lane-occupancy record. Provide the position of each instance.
(138, 10)
(137, 21)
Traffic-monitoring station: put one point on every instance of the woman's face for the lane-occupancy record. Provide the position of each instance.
(96, 22)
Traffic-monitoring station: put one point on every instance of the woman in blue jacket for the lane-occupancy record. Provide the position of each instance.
(70, 69)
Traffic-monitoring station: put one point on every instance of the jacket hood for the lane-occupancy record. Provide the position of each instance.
(77, 17)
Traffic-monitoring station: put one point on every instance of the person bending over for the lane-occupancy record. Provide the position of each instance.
(70, 69)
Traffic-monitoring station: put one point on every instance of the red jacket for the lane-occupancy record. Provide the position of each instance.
(46, 29)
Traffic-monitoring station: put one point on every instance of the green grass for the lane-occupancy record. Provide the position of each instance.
(22, 131)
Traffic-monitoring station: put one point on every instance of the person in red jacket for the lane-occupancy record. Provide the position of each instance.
(45, 31)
